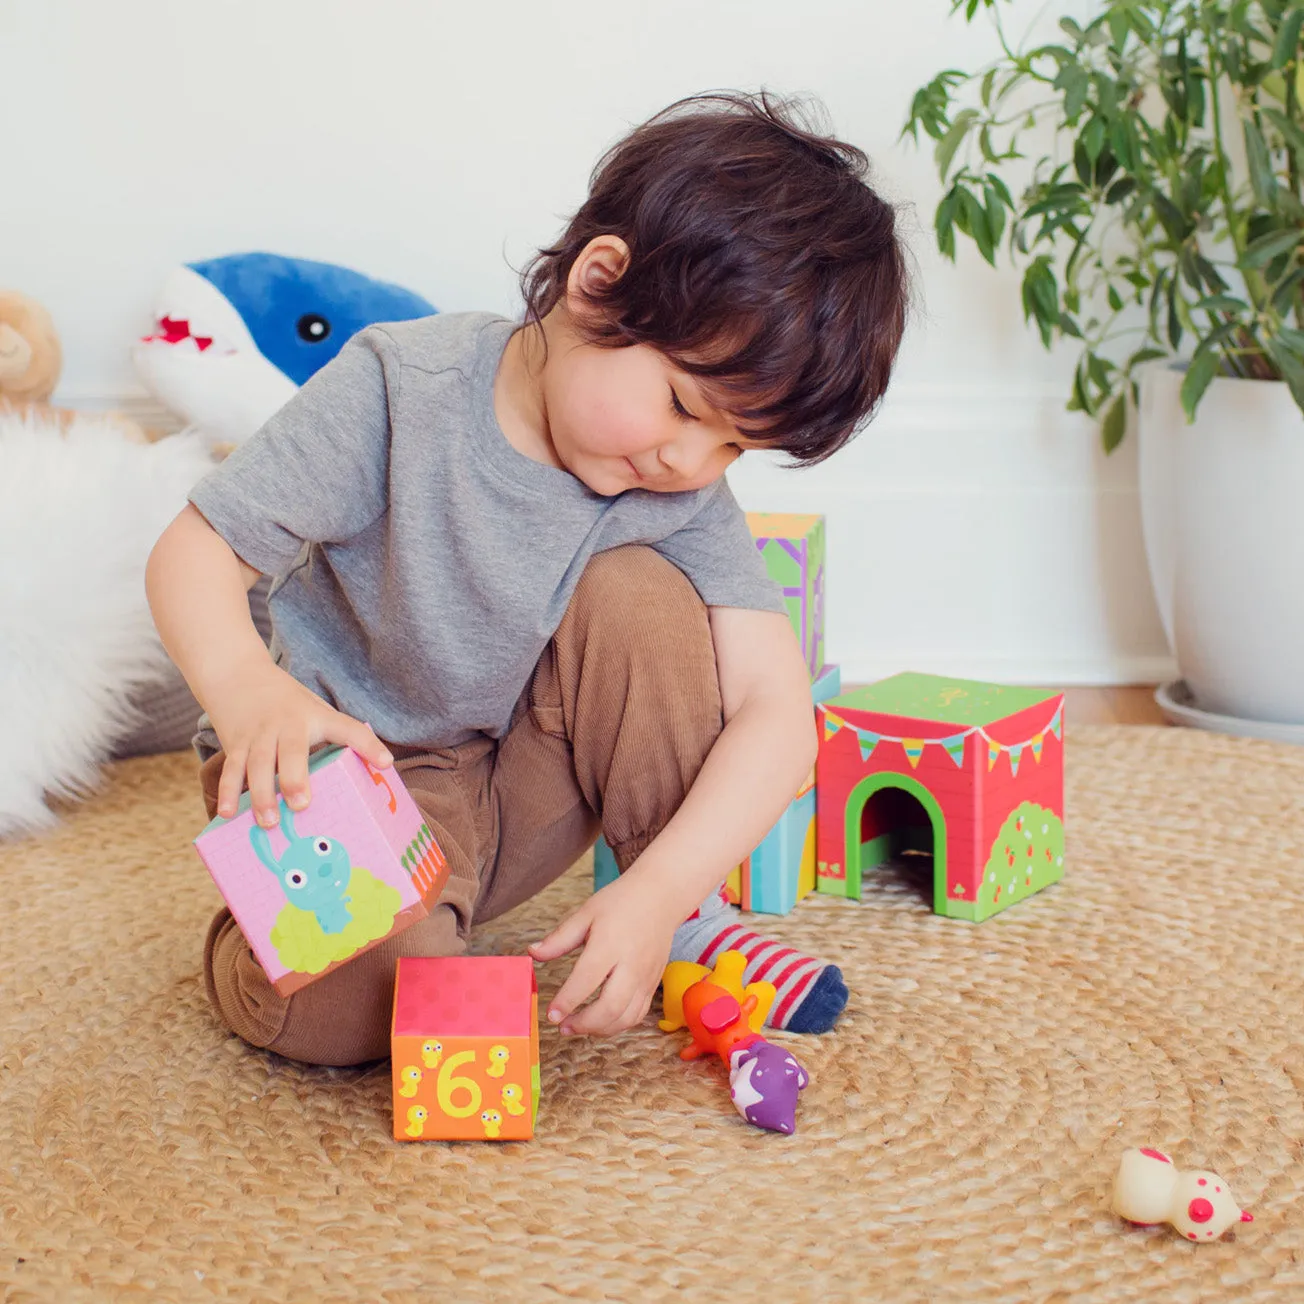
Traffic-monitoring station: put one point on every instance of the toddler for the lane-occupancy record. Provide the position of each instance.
(506, 561)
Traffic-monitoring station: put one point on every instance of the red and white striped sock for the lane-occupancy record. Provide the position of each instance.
(811, 993)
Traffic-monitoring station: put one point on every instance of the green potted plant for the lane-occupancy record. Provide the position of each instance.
(1162, 229)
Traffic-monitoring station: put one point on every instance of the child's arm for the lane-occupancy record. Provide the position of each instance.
(264, 718)
(766, 749)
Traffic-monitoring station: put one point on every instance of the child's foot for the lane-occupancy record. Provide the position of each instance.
(811, 994)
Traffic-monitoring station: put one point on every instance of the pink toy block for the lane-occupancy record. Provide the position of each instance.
(355, 866)
(972, 772)
(464, 1048)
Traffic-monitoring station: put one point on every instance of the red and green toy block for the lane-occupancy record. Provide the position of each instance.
(973, 771)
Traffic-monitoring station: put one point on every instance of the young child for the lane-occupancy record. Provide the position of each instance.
(509, 549)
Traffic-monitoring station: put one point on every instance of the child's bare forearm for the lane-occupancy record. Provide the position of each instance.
(750, 776)
(198, 594)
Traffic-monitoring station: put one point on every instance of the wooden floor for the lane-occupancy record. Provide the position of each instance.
(1123, 705)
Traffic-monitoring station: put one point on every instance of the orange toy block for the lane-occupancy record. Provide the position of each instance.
(464, 1047)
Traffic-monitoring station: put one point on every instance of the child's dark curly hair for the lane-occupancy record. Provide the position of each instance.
(762, 263)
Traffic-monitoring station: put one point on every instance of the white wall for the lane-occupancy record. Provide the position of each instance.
(974, 528)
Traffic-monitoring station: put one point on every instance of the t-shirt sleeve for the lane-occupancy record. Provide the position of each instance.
(317, 471)
(717, 552)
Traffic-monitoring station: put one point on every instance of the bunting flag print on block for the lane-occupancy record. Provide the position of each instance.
(464, 1047)
(355, 866)
(793, 548)
(969, 771)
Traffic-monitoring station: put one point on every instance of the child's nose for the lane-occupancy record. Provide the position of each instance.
(687, 455)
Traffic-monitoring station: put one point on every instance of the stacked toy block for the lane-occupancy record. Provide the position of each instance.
(464, 1046)
(793, 548)
(355, 866)
(972, 772)
(781, 871)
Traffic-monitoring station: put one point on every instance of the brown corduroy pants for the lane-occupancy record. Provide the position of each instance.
(610, 733)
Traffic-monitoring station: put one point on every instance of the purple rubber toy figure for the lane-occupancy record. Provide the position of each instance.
(764, 1079)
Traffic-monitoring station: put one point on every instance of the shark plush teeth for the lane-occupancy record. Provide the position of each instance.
(234, 337)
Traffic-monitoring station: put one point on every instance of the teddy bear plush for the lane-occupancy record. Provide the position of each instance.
(30, 356)
(31, 360)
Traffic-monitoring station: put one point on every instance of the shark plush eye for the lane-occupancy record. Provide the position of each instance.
(322, 846)
(313, 328)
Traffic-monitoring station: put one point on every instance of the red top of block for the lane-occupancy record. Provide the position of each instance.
(464, 996)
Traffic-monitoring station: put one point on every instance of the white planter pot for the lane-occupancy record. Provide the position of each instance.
(1222, 505)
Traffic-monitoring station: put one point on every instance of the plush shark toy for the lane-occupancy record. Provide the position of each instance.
(234, 337)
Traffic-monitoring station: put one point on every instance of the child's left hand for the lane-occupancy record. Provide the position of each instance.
(626, 931)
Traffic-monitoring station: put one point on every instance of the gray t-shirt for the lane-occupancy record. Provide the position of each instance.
(421, 563)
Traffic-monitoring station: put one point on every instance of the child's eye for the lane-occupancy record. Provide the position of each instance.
(678, 408)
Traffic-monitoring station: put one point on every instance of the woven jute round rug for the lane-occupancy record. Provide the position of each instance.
(957, 1142)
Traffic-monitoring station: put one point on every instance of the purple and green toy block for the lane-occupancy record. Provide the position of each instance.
(793, 548)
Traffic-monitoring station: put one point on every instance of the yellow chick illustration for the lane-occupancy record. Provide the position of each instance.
(431, 1053)
(498, 1057)
(409, 1080)
(417, 1116)
(513, 1098)
(493, 1122)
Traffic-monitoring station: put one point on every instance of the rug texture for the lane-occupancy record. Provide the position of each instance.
(957, 1142)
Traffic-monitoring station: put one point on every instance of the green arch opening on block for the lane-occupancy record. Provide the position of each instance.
(856, 802)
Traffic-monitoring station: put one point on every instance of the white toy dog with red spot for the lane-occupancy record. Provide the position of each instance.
(1149, 1189)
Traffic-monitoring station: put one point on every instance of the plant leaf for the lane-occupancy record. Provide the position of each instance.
(1203, 368)
(953, 139)
(1290, 363)
(1263, 178)
(1287, 44)
(1115, 424)
(1260, 252)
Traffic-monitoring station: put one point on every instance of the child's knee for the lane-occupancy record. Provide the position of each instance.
(634, 606)
(636, 583)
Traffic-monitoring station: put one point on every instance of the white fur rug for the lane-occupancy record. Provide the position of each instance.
(79, 513)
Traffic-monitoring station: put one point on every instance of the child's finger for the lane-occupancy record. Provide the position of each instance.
(292, 770)
(563, 939)
(602, 1018)
(262, 782)
(353, 733)
(231, 784)
(584, 980)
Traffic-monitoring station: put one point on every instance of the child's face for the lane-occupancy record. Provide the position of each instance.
(628, 418)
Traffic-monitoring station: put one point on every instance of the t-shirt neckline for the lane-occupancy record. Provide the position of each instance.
(540, 478)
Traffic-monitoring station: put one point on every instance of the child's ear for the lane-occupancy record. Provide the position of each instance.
(600, 264)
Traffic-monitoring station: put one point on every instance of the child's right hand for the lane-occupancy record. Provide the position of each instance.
(267, 722)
